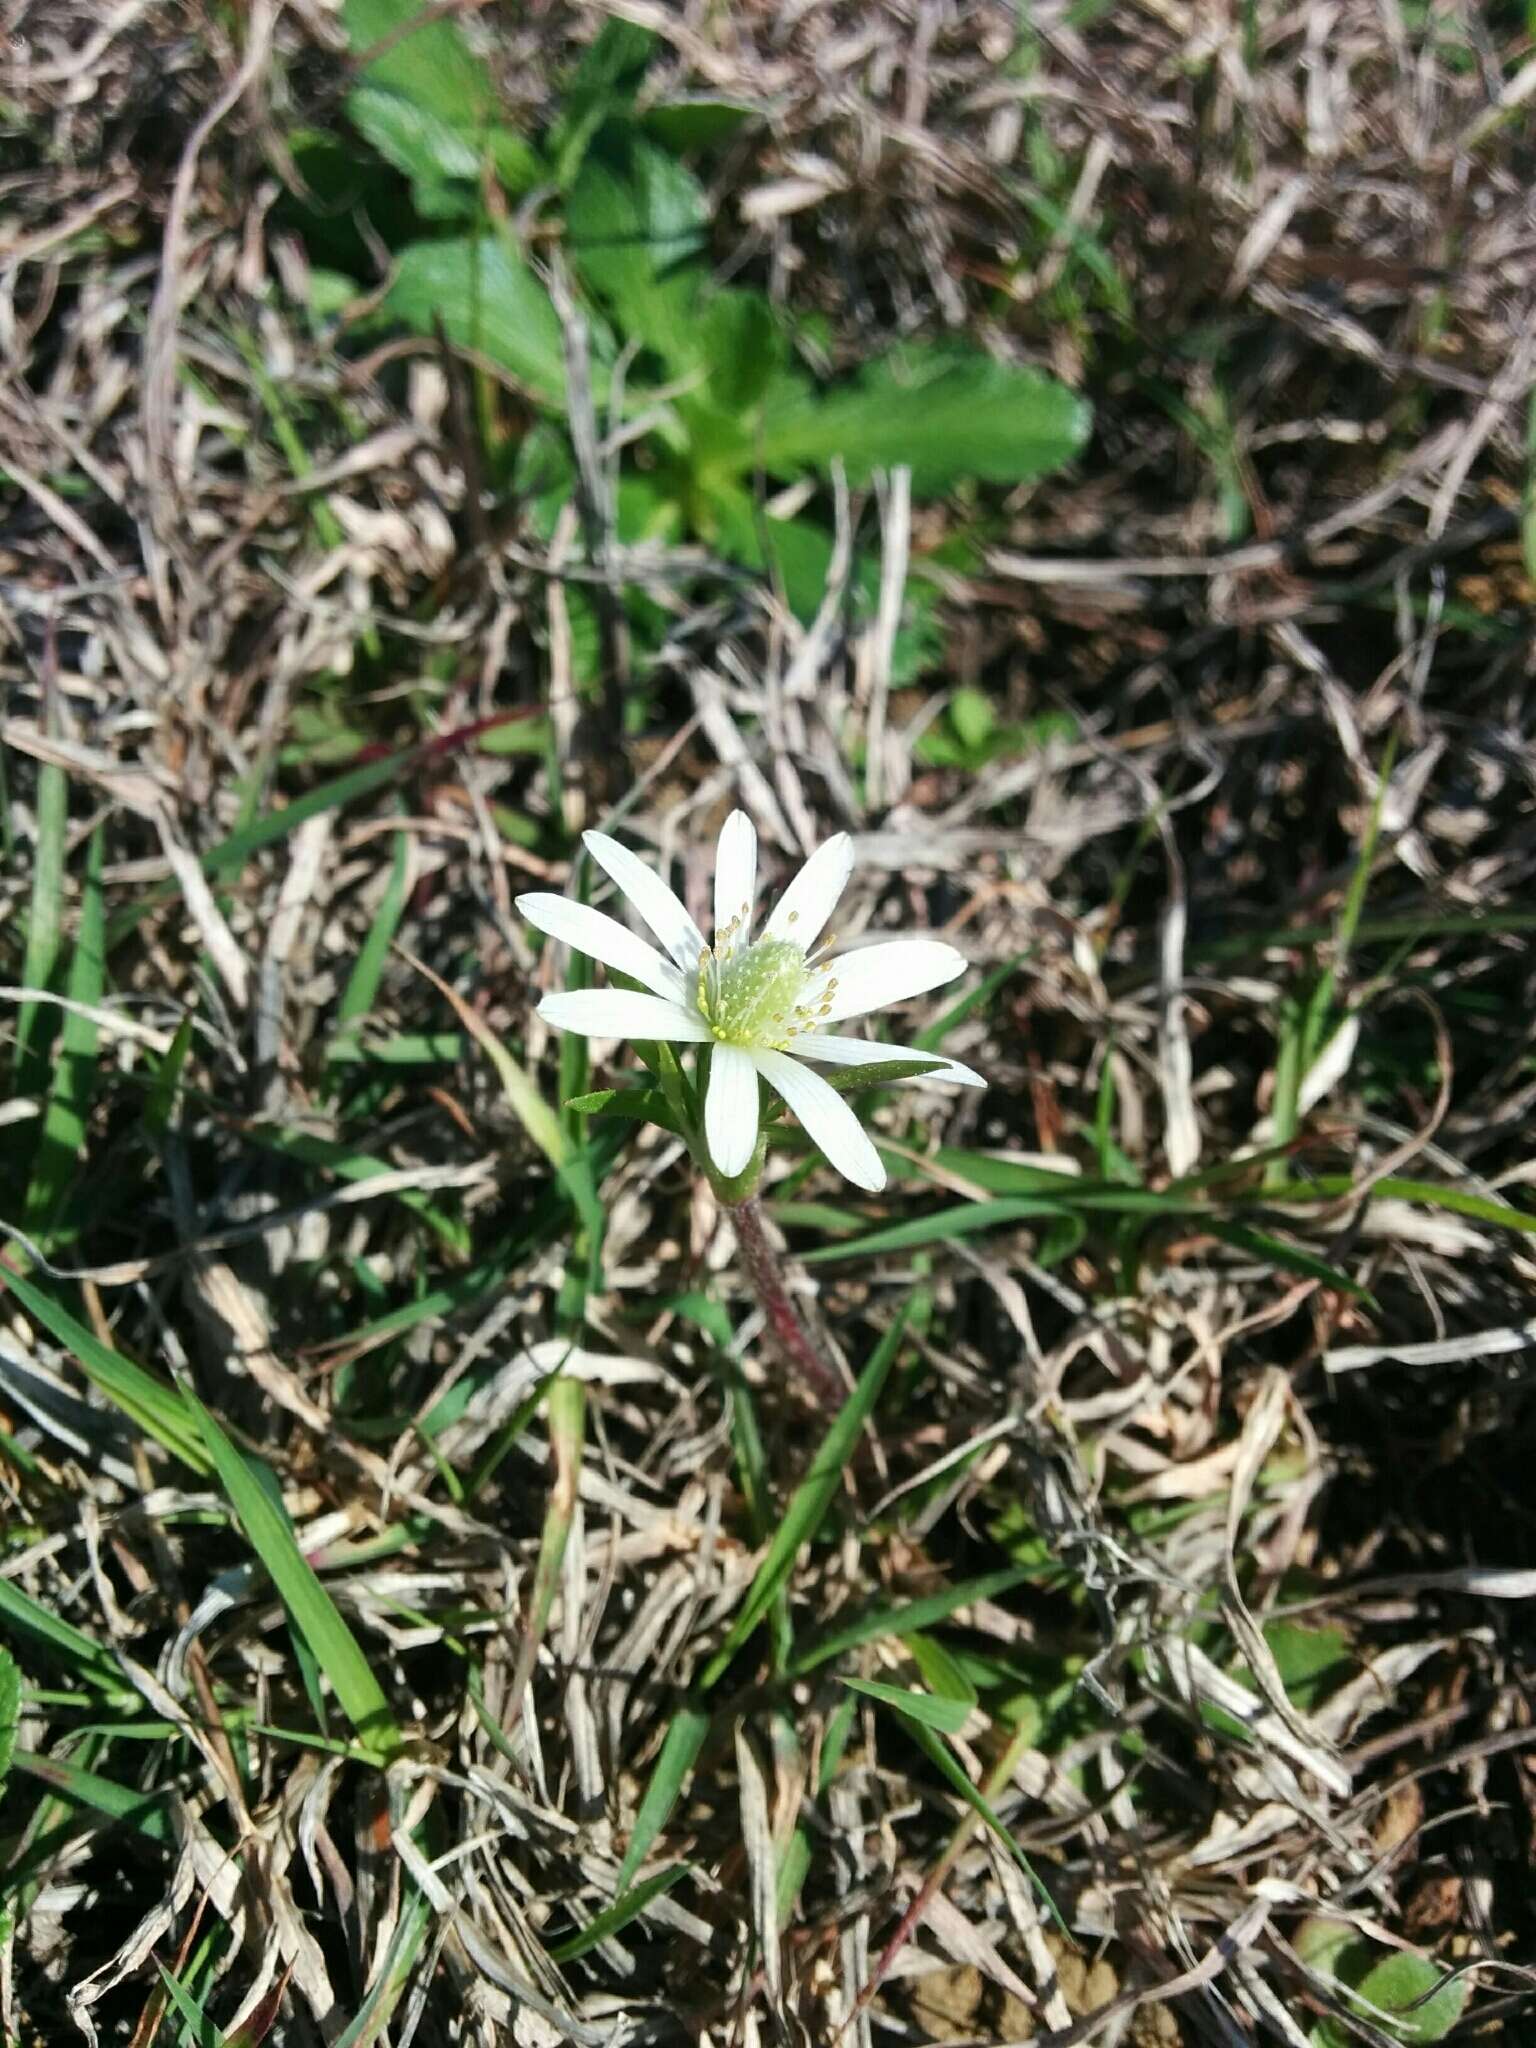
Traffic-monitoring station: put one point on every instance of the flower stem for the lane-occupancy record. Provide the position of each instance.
(765, 1270)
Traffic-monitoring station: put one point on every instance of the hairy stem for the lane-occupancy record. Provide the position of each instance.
(765, 1270)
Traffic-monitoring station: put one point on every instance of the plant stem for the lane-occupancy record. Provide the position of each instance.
(765, 1270)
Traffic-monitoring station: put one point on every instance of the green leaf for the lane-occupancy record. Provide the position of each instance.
(387, 1986)
(741, 347)
(91, 1662)
(882, 1622)
(600, 1098)
(488, 301)
(1427, 1194)
(972, 715)
(1406, 1995)
(634, 217)
(948, 1716)
(946, 414)
(629, 1906)
(74, 1068)
(198, 2027)
(812, 1497)
(45, 925)
(314, 1614)
(10, 1710)
(964, 1220)
(1274, 1251)
(679, 1753)
(431, 65)
(362, 990)
(149, 1403)
(698, 122)
(143, 1811)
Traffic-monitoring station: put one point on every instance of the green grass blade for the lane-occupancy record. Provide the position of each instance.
(199, 2028)
(812, 1497)
(881, 1622)
(74, 1072)
(149, 1403)
(91, 1663)
(10, 1711)
(942, 1227)
(315, 1615)
(1426, 1194)
(679, 1753)
(1274, 1251)
(361, 993)
(45, 926)
(388, 1987)
(627, 1907)
(142, 1811)
(923, 1709)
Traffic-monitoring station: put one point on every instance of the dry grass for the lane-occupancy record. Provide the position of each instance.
(1215, 1428)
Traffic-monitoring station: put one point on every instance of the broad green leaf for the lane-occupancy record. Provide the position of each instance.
(741, 347)
(314, 1613)
(488, 301)
(635, 217)
(1407, 1996)
(430, 64)
(972, 714)
(444, 159)
(946, 414)
(947, 1716)
(1310, 1660)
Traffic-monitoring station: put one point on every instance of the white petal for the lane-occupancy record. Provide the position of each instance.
(863, 1052)
(827, 1119)
(735, 876)
(877, 975)
(730, 1108)
(603, 938)
(651, 897)
(802, 911)
(615, 1013)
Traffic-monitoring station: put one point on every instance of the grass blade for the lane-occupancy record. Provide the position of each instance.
(315, 1615)
(45, 925)
(149, 1403)
(923, 1709)
(628, 1906)
(679, 1753)
(811, 1498)
(74, 1072)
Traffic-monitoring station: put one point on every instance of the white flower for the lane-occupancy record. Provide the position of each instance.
(761, 1004)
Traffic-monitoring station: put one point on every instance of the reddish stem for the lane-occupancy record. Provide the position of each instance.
(766, 1273)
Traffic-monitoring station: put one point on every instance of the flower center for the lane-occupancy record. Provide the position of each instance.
(751, 997)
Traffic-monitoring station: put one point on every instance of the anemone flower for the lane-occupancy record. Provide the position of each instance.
(761, 1005)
